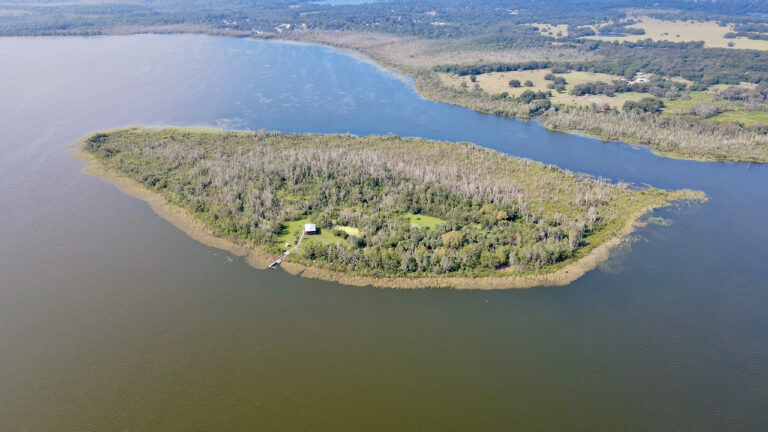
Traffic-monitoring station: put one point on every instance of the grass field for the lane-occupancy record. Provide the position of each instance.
(423, 221)
(326, 236)
(710, 32)
(352, 231)
(732, 112)
(752, 118)
(292, 230)
(498, 82)
(681, 104)
(554, 30)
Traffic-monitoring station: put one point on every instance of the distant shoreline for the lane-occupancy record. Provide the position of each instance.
(423, 90)
(557, 275)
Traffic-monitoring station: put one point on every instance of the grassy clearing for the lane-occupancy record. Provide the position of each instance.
(326, 237)
(710, 32)
(552, 30)
(290, 232)
(423, 221)
(681, 104)
(352, 231)
(732, 113)
(498, 82)
(752, 118)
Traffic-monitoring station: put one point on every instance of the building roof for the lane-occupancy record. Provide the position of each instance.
(310, 227)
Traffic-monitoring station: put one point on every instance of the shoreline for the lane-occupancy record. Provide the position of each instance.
(258, 258)
(401, 74)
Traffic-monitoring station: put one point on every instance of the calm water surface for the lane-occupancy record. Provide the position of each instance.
(112, 319)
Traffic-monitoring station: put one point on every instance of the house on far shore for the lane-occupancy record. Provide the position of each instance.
(310, 229)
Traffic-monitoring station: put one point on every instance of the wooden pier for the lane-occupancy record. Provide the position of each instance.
(279, 261)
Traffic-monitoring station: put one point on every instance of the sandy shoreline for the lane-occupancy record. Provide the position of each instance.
(258, 258)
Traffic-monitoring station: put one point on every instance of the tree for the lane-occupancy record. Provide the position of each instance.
(453, 239)
(647, 105)
(704, 109)
(514, 83)
(528, 83)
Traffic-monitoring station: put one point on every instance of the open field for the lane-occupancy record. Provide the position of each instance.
(684, 104)
(710, 32)
(423, 221)
(498, 82)
(291, 231)
(352, 231)
(752, 118)
(732, 112)
(553, 30)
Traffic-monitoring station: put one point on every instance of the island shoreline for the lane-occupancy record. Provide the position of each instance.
(258, 258)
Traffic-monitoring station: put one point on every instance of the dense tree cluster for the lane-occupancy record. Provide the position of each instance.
(656, 86)
(622, 28)
(645, 105)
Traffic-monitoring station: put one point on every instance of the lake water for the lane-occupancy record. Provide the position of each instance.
(113, 319)
(343, 2)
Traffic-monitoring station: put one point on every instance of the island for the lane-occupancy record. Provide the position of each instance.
(375, 210)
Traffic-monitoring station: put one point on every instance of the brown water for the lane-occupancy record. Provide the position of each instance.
(112, 319)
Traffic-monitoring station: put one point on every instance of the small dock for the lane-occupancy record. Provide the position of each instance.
(279, 261)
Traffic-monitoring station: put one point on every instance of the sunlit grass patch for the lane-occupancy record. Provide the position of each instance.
(423, 221)
(709, 32)
(752, 118)
(290, 232)
(352, 231)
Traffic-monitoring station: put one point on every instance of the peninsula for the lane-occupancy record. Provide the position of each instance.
(381, 210)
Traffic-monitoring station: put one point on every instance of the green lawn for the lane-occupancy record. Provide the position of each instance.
(326, 236)
(290, 231)
(686, 104)
(354, 232)
(680, 107)
(423, 221)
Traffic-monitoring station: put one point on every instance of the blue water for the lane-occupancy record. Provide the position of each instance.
(111, 318)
